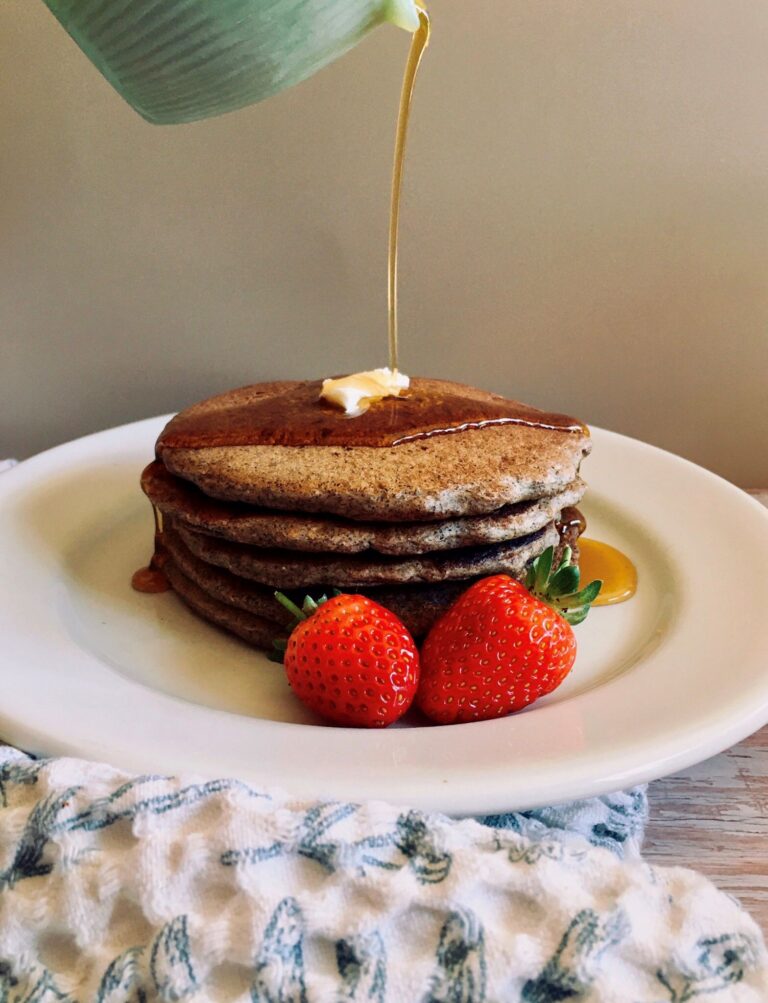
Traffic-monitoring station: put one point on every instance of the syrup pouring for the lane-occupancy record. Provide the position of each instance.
(308, 412)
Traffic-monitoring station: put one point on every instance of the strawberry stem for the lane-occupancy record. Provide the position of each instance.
(291, 606)
(565, 560)
(299, 614)
(543, 567)
(560, 588)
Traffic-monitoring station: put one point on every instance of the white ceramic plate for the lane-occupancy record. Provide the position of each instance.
(94, 669)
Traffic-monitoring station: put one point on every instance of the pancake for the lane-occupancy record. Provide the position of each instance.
(267, 487)
(418, 606)
(453, 451)
(251, 611)
(256, 630)
(222, 585)
(293, 569)
(418, 616)
(236, 522)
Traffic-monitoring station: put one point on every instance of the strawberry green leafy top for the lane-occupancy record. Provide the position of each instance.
(559, 587)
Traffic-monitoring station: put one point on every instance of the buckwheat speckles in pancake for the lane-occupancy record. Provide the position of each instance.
(293, 569)
(418, 615)
(466, 471)
(256, 630)
(417, 605)
(296, 531)
(268, 487)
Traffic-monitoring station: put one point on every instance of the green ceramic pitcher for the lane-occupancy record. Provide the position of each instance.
(182, 60)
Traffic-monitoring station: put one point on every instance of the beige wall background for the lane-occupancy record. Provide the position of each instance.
(586, 225)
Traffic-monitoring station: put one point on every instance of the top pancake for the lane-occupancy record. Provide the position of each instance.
(451, 466)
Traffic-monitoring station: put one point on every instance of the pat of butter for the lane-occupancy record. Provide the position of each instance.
(354, 394)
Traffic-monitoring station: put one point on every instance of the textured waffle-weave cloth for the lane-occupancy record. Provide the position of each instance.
(128, 889)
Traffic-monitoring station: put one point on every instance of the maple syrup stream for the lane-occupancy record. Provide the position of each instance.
(419, 43)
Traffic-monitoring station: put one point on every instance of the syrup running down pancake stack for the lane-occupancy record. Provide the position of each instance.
(269, 487)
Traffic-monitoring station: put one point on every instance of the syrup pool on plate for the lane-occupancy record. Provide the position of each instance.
(614, 569)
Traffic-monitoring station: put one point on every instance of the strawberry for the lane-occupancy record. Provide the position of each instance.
(350, 660)
(502, 645)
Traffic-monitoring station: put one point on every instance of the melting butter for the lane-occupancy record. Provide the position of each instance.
(354, 394)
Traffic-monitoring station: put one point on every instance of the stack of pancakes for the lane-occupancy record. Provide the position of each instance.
(269, 488)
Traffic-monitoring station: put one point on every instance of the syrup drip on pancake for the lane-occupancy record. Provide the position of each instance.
(152, 579)
(571, 521)
(296, 417)
(598, 560)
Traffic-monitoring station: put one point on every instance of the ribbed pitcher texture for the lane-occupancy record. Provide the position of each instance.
(182, 60)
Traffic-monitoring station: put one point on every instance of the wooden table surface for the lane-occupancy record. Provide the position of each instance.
(714, 817)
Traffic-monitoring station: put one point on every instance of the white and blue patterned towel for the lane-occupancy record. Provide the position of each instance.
(125, 889)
